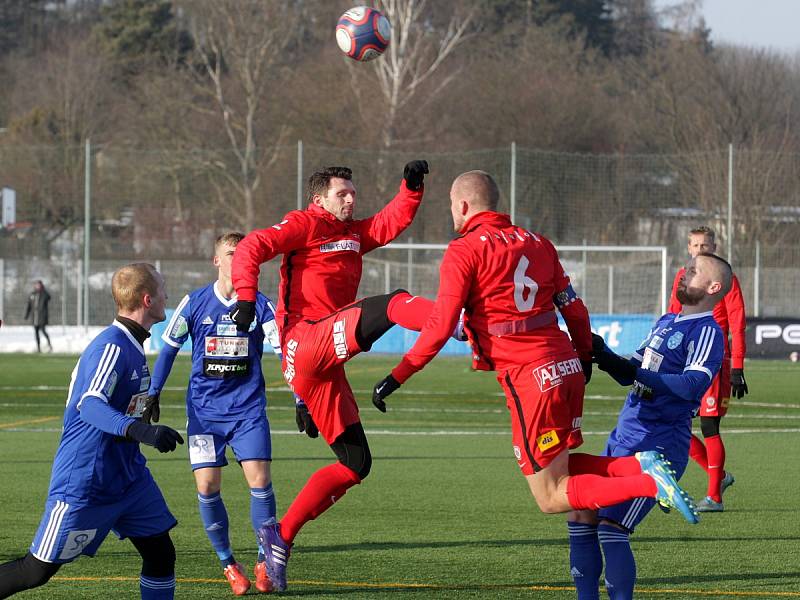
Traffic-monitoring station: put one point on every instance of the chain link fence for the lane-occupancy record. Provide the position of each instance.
(167, 206)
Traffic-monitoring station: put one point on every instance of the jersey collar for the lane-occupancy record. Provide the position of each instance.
(221, 297)
(487, 217)
(679, 318)
(133, 340)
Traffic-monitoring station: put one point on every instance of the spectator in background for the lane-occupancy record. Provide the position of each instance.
(37, 312)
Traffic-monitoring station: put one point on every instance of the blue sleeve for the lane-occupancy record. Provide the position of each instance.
(177, 330)
(270, 327)
(689, 385)
(162, 368)
(96, 412)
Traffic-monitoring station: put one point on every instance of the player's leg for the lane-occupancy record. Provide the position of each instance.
(36, 334)
(322, 490)
(620, 565)
(207, 443)
(25, 573)
(713, 407)
(157, 579)
(585, 557)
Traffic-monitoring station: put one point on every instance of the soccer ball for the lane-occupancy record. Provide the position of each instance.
(363, 33)
(794, 356)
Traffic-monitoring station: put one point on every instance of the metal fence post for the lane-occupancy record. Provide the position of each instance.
(299, 174)
(512, 194)
(730, 203)
(87, 217)
(2, 288)
(757, 281)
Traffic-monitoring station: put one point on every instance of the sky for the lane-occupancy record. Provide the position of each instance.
(758, 23)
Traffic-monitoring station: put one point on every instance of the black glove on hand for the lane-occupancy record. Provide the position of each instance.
(304, 420)
(152, 409)
(161, 437)
(382, 389)
(738, 384)
(587, 370)
(598, 345)
(243, 314)
(414, 174)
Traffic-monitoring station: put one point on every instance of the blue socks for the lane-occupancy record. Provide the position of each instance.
(620, 564)
(157, 588)
(585, 560)
(215, 522)
(262, 508)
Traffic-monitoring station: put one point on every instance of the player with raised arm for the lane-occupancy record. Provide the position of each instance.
(99, 481)
(225, 404)
(730, 315)
(322, 327)
(510, 281)
(668, 373)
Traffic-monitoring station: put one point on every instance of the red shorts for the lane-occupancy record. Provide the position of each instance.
(718, 395)
(545, 399)
(314, 353)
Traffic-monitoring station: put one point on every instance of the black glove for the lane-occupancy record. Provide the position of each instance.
(152, 409)
(587, 370)
(414, 174)
(161, 437)
(243, 314)
(610, 362)
(738, 384)
(304, 420)
(382, 389)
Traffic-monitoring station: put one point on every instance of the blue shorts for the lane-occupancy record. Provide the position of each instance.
(630, 513)
(69, 529)
(249, 439)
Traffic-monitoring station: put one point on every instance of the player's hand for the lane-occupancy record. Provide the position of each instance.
(414, 174)
(161, 437)
(243, 314)
(304, 420)
(598, 346)
(738, 384)
(587, 370)
(382, 389)
(152, 409)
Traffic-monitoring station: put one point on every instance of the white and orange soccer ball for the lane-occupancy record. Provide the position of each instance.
(363, 33)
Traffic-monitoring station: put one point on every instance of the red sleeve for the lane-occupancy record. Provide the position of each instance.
(734, 304)
(574, 311)
(455, 277)
(675, 306)
(260, 246)
(385, 225)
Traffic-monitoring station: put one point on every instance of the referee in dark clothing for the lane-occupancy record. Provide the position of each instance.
(37, 311)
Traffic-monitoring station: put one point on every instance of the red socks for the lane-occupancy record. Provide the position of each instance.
(607, 466)
(595, 491)
(697, 452)
(321, 490)
(716, 465)
(409, 311)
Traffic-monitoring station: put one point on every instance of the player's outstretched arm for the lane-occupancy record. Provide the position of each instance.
(161, 371)
(622, 370)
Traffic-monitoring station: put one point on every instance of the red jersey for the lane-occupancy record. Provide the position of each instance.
(729, 315)
(321, 267)
(509, 281)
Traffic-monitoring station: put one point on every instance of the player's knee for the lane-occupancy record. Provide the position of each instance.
(359, 461)
(158, 555)
(34, 572)
(709, 426)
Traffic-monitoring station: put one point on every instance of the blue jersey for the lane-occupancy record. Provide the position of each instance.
(226, 382)
(677, 360)
(111, 379)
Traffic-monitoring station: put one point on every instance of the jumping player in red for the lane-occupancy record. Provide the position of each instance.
(510, 280)
(322, 327)
(730, 316)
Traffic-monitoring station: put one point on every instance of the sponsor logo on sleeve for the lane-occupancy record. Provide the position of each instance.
(223, 369)
(341, 246)
(656, 341)
(547, 440)
(180, 328)
(552, 374)
(110, 384)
